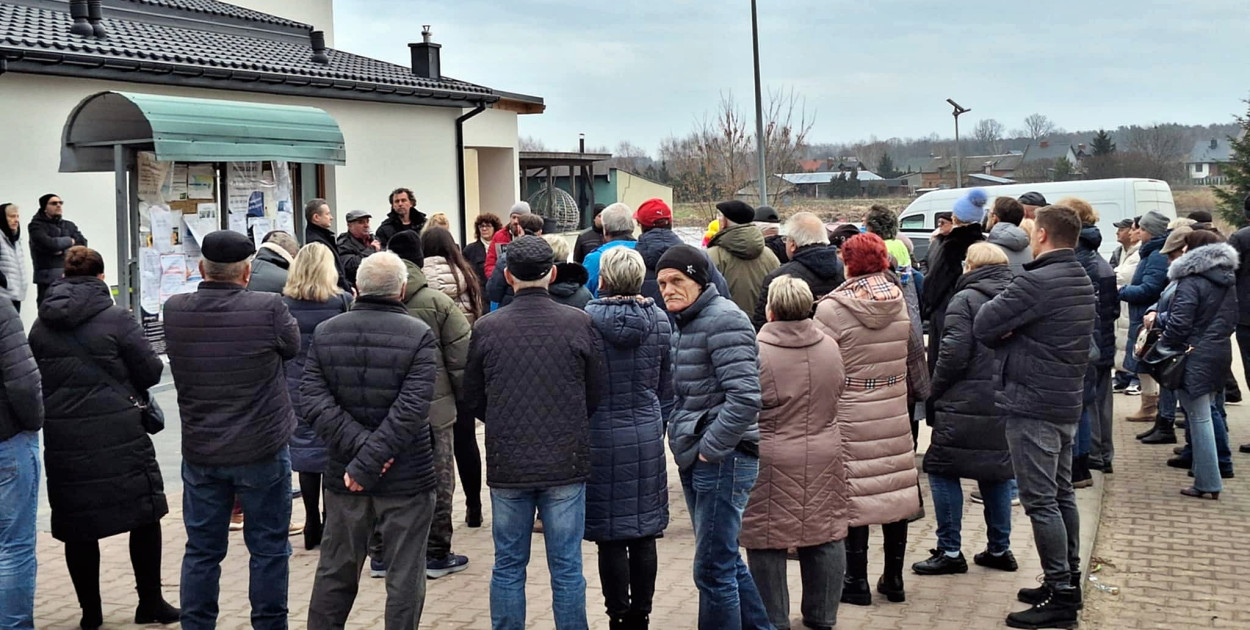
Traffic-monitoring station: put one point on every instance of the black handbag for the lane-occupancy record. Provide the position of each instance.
(150, 413)
(1169, 369)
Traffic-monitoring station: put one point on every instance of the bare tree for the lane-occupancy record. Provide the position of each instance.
(786, 126)
(1038, 126)
(630, 157)
(989, 133)
(530, 143)
(1156, 151)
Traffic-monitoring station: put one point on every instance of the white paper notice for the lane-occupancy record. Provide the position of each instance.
(260, 227)
(178, 189)
(238, 222)
(162, 228)
(150, 279)
(285, 221)
(199, 228)
(173, 275)
(200, 180)
(153, 177)
(239, 196)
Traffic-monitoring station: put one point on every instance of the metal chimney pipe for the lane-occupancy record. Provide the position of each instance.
(81, 27)
(95, 15)
(318, 39)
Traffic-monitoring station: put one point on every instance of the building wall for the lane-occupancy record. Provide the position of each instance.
(498, 180)
(632, 190)
(319, 13)
(388, 146)
(472, 186)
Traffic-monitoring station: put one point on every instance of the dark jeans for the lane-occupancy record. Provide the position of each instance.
(563, 512)
(19, 496)
(264, 489)
(627, 571)
(716, 495)
(468, 456)
(351, 518)
(1041, 454)
(822, 568)
(445, 472)
(948, 508)
(1102, 447)
(82, 558)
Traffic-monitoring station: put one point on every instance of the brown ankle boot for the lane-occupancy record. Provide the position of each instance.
(1149, 407)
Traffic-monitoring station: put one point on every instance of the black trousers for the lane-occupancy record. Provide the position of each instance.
(627, 571)
(83, 560)
(468, 456)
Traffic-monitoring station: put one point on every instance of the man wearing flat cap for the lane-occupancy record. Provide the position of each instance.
(739, 252)
(356, 243)
(226, 346)
(533, 377)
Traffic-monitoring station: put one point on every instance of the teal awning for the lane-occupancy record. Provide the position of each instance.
(181, 129)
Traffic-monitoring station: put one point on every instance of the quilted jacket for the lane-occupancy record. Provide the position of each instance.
(799, 499)
(739, 253)
(1102, 277)
(21, 393)
(308, 452)
(1203, 314)
(226, 346)
(269, 269)
(627, 495)
(1041, 325)
(533, 377)
(716, 381)
(441, 277)
(49, 238)
(969, 439)
(1149, 280)
(366, 390)
(874, 336)
(451, 343)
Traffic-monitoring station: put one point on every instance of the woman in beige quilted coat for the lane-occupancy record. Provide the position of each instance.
(799, 499)
(448, 271)
(868, 318)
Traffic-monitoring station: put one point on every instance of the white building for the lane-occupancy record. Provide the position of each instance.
(399, 124)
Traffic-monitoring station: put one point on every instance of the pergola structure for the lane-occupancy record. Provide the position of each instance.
(540, 164)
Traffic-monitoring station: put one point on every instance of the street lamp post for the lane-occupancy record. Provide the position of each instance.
(959, 162)
(759, 110)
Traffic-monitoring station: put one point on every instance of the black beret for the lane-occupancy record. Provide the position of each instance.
(766, 214)
(529, 258)
(737, 211)
(1033, 199)
(226, 246)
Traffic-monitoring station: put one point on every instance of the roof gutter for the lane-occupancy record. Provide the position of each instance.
(464, 203)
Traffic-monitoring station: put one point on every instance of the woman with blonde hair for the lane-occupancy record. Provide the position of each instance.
(437, 220)
(969, 436)
(799, 498)
(312, 295)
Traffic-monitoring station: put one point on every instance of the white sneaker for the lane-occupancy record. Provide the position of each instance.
(1133, 390)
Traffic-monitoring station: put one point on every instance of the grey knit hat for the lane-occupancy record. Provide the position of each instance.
(1154, 223)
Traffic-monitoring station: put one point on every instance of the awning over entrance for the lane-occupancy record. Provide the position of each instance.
(181, 129)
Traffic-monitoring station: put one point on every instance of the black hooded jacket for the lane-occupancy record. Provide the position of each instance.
(815, 264)
(1102, 276)
(49, 238)
(569, 287)
(317, 234)
(103, 478)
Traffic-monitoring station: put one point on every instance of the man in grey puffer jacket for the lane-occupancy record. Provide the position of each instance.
(713, 431)
(1005, 232)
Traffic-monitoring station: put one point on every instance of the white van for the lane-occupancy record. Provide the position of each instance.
(1114, 199)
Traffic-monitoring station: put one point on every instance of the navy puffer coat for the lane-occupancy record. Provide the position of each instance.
(1102, 276)
(1203, 314)
(308, 452)
(1148, 283)
(627, 495)
(969, 439)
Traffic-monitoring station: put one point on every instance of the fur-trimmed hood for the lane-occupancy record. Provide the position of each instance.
(1217, 262)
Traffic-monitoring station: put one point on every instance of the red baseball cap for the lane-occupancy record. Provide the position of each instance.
(652, 211)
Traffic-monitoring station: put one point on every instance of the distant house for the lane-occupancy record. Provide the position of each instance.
(1208, 158)
(832, 164)
(940, 171)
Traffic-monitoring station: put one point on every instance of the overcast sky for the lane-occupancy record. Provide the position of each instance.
(641, 70)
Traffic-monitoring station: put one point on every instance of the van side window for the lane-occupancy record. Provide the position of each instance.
(912, 222)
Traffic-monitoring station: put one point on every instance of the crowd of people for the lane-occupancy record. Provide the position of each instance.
(783, 366)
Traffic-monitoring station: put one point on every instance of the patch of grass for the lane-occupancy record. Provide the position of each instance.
(831, 210)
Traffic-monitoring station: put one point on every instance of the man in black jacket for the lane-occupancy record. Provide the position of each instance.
(356, 243)
(1042, 326)
(533, 377)
(1098, 396)
(810, 259)
(50, 236)
(21, 417)
(226, 348)
(319, 228)
(381, 466)
(403, 216)
(591, 238)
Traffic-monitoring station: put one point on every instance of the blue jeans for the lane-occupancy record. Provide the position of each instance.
(1084, 435)
(948, 505)
(1167, 403)
(264, 490)
(563, 512)
(716, 495)
(19, 498)
(1201, 430)
(1219, 424)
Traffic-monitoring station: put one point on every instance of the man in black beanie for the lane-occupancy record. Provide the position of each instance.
(739, 252)
(533, 377)
(713, 432)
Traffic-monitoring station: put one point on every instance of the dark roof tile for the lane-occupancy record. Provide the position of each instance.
(222, 9)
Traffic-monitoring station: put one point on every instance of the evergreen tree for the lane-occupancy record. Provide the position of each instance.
(1231, 197)
(1102, 143)
(885, 167)
(1064, 170)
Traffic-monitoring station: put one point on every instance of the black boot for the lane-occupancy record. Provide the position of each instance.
(1164, 433)
(473, 515)
(156, 610)
(312, 534)
(637, 620)
(1035, 596)
(1081, 477)
(891, 582)
(855, 589)
(618, 622)
(1058, 610)
(1160, 423)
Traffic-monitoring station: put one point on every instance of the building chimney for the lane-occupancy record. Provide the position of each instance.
(94, 15)
(82, 27)
(581, 143)
(1045, 143)
(1215, 144)
(1080, 147)
(426, 57)
(318, 39)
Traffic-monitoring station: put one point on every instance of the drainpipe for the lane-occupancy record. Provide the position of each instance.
(464, 204)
